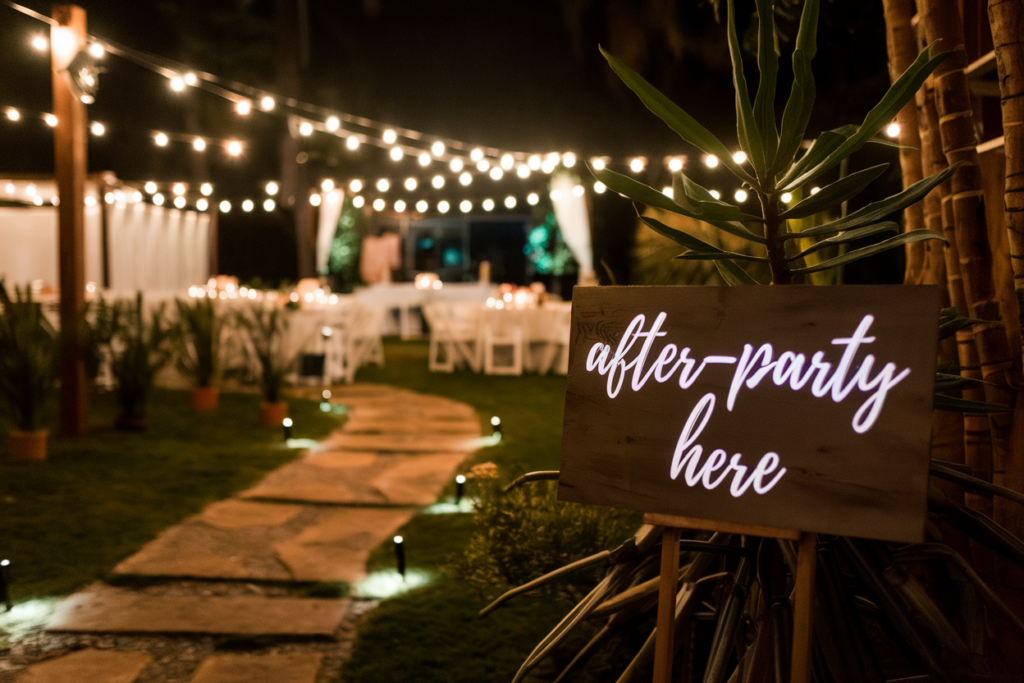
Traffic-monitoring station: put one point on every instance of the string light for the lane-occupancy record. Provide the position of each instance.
(199, 144)
(711, 161)
(306, 128)
(267, 103)
(13, 114)
(150, 187)
(268, 205)
(477, 154)
(675, 164)
(332, 123)
(437, 181)
(739, 157)
(667, 191)
(556, 195)
(422, 206)
(243, 107)
(352, 142)
(548, 166)
(206, 189)
(483, 165)
(327, 185)
(158, 199)
(488, 204)
(815, 190)
(568, 159)
(247, 205)
(397, 153)
(600, 187)
(636, 165)
(400, 206)
(716, 194)
(893, 130)
(189, 78)
(456, 165)
(597, 163)
(178, 189)
(177, 84)
(741, 196)
(136, 197)
(202, 205)
(786, 198)
(410, 184)
(358, 201)
(389, 136)
(315, 199)
(225, 206)
(424, 159)
(234, 148)
(40, 43)
(437, 149)
(179, 202)
(497, 173)
(532, 199)
(38, 201)
(89, 201)
(443, 206)
(577, 191)
(523, 171)
(507, 162)
(383, 185)
(161, 139)
(465, 206)
(51, 120)
(510, 202)
(533, 162)
(465, 179)
(272, 188)
(97, 128)
(356, 186)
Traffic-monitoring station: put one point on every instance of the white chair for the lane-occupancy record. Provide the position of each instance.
(363, 344)
(502, 330)
(454, 335)
(554, 331)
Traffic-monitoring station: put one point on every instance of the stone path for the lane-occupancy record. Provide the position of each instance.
(237, 574)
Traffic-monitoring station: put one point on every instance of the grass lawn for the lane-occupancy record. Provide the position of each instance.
(432, 633)
(67, 521)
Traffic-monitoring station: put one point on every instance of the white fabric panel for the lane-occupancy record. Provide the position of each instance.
(574, 222)
(327, 224)
(28, 245)
(93, 243)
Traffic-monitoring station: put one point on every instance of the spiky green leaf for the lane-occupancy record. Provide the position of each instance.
(848, 236)
(962, 405)
(834, 194)
(864, 252)
(746, 124)
(734, 275)
(768, 65)
(802, 94)
(678, 120)
(719, 255)
(825, 144)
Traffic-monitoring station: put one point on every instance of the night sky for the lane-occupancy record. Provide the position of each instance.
(521, 75)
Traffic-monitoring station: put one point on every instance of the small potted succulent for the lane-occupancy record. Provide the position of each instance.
(139, 349)
(197, 345)
(265, 328)
(29, 352)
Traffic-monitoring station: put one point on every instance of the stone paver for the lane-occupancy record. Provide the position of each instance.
(240, 514)
(88, 666)
(422, 443)
(116, 610)
(342, 538)
(358, 425)
(281, 667)
(368, 479)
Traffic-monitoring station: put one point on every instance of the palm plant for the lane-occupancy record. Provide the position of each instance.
(139, 349)
(28, 358)
(265, 327)
(882, 611)
(197, 340)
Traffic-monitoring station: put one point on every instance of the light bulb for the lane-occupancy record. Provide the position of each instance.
(158, 199)
(267, 103)
(13, 114)
(716, 194)
(477, 154)
(400, 206)
(89, 201)
(600, 187)
(507, 161)
(51, 120)
(306, 128)
(40, 43)
(711, 161)
(497, 173)
(161, 139)
(534, 162)
(383, 185)
(556, 195)
(577, 191)
(177, 84)
(206, 189)
(327, 185)
(510, 202)
(189, 78)
(465, 206)
(268, 205)
(443, 206)
(202, 205)
(358, 201)
(532, 198)
(675, 164)
(786, 197)
(456, 165)
(667, 191)
(488, 204)
(136, 197)
(437, 149)
(548, 166)
(150, 187)
(97, 50)
(597, 163)
(248, 205)
(243, 107)
(315, 199)
(636, 165)
(179, 202)
(389, 136)
(437, 181)
(396, 153)
(465, 178)
(892, 130)
(568, 159)
(352, 142)
(739, 157)
(422, 206)
(741, 196)
(272, 188)
(410, 184)
(178, 189)
(332, 123)
(199, 144)
(97, 128)
(424, 159)
(234, 148)
(815, 190)
(523, 171)
(356, 186)
(483, 165)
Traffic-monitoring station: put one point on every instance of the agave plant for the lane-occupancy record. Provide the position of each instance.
(139, 349)
(882, 611)
(28, 358)
(265, 328)
(197, 340)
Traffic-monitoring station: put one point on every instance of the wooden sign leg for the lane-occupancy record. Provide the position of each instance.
(664, 639)
(806, 569)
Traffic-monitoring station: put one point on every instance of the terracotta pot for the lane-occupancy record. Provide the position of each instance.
(204, 399)
(272, 414)
(27, 446)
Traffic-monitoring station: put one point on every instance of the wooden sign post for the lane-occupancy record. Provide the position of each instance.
(779, 412)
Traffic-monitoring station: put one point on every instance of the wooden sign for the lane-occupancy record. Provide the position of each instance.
(794, 407)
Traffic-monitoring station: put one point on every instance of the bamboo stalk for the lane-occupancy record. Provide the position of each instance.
(902, 47)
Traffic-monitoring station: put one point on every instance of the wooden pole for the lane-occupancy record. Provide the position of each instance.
(806, 568)
(67, 36)
(664, 640)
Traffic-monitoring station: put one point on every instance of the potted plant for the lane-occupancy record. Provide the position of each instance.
(138, 351)
(96, 327)
(265, 328)
(197, 344)
(28, 369)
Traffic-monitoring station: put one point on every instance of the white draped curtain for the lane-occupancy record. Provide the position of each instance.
(574, 222)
